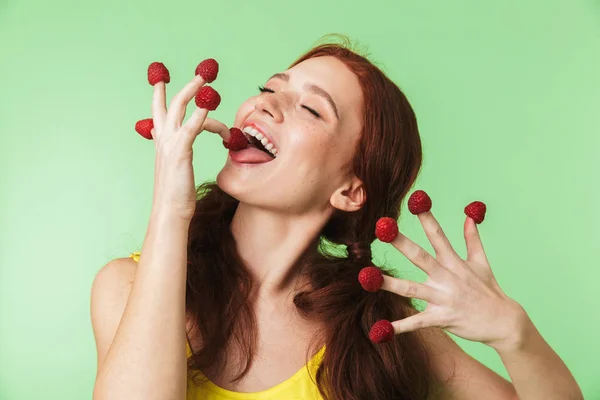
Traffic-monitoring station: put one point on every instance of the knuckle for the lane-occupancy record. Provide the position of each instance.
(419, 323)
(401, 240)
(411, 289)
(439, 231)
(422, 256)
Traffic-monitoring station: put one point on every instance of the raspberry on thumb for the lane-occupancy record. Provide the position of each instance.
(144, 127)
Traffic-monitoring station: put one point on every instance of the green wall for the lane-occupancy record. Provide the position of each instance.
(507, 96)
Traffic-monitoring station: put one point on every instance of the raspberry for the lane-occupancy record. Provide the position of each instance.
(237, 141)
(381, 331)
(476, 210)
(386, 229)
(144, 127)
(208, 69)
(157, 72)
(208, 98)
(419, 202)
(370, 278)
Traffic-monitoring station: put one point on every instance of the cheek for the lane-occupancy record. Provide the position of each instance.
(338, 152)
(309, 139)
(319, 149)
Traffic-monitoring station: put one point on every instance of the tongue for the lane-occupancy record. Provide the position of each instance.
(252, 155)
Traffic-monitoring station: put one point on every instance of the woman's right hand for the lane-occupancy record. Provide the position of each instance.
(174, 185)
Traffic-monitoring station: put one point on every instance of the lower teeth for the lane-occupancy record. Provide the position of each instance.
(260, 146)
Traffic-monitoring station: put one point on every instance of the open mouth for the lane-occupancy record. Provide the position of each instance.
(260, 141)
(258, 144)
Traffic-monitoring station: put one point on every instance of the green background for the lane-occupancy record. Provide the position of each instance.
(507, 95)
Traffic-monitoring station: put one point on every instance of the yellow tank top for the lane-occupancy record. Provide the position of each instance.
(300, 386)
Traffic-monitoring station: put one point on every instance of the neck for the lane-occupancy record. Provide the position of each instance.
(271, 245)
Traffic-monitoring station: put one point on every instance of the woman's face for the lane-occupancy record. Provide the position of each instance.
(312, 114)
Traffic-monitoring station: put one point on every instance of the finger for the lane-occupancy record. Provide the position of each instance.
(410, 289)
(415, 322)
(436, 236)
(193, 126)
(417, 255)
(178, 104)
(475, 251)
(214, 126)
(159, 106)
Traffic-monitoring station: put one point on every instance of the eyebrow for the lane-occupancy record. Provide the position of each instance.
(312, 88)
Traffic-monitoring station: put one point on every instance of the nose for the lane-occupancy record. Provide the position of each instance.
(269, 105)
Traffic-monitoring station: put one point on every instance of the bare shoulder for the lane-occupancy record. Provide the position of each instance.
(110, 291)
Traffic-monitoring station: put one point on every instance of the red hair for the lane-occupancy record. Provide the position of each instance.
(387, 160)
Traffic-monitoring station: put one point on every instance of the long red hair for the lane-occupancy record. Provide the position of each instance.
(387, 160)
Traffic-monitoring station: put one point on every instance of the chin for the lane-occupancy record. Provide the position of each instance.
(228, 183)
(250, 187)
(247, 190)
(241, 187)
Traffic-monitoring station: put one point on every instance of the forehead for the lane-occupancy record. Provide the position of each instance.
(335, 78)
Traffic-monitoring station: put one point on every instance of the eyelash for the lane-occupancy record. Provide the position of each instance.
(264, 89)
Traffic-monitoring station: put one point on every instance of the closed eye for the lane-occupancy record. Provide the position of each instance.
(313, 112)
(264, 89)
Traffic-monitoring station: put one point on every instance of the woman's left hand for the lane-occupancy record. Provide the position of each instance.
(463, 295)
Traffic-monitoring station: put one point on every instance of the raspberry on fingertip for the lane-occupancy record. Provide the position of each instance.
(370, 278)
(208, 69)
(208, 98)
(419, 202)
(476, 210)
(237, 140)
(382, 331)
(157, 72)
(386, 229)
(144, 128)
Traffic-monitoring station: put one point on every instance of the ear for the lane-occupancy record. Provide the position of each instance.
(349, 197)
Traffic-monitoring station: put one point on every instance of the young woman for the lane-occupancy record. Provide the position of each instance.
(241, 277)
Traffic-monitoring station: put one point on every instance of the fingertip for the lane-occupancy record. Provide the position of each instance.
(201, 112)
(468, 222)
(471, 226)
(425, 215)
(199, 79)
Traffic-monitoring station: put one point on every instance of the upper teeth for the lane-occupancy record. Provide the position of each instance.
(259, 136)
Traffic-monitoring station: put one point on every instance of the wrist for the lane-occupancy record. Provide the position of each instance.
(165, 216)
(166, 239)
(520, 326)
